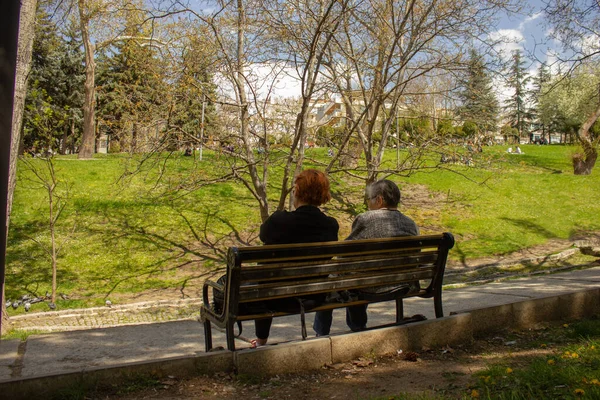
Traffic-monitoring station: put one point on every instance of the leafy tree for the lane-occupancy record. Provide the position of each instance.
(575, 24)
(478, 101)
(568, 102)
(516, 110)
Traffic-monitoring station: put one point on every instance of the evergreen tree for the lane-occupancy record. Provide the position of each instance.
(71, 88)
(42, 117)
(130, 89)
(539, 83)
(52, 116)
(479, 103)
(517, 111)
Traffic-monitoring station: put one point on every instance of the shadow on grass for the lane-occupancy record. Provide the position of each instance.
(32, 277)
(530, 226)
(173, 249)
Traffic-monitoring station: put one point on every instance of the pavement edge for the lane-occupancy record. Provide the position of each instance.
(315, 353)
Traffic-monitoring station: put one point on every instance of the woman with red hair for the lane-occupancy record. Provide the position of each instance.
(306, 224)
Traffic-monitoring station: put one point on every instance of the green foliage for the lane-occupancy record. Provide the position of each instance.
(517, 112)
(415, 130)
(52, 116)
(539, 83)
(568, 101)
(130, 85)
(479, 103)
(329, 136)
(470, 129)
(446, 128)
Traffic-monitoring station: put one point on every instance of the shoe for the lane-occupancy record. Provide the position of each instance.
(254, 343)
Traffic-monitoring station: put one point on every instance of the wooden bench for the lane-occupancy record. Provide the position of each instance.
(266, 273)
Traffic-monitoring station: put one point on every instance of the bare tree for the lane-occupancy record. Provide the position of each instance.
(45, 176)
(575, 24)
(386, 46)
(257, 43)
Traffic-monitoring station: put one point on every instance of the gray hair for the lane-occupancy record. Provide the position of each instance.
(388, 191)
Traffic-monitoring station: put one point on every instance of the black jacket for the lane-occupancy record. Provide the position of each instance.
(307, 224)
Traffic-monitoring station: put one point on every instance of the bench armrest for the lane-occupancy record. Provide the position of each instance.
(206, 308)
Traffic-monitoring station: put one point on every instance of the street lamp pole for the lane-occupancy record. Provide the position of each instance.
(202, 125)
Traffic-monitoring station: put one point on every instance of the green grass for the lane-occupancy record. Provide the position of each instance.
(570, 371)
(125, 233)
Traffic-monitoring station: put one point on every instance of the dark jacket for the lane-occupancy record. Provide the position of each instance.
(307, 224)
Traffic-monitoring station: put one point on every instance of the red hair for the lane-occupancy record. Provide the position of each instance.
(312, 187)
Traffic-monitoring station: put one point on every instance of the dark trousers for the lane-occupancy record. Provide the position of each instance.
(262, 327)
(356, 319)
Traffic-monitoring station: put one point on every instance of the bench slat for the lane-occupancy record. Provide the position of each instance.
(273, 253)
(337, 266)
(281, 289)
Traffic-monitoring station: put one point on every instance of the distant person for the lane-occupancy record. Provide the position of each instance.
(509, 150)
(330, 153)
(382, 220)
(306, 224)
(518, 150)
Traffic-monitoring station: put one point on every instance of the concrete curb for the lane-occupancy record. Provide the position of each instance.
(461, 327)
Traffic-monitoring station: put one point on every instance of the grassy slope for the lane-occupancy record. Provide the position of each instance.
(127, 239)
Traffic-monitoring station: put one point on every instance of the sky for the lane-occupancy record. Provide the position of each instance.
(525, 32)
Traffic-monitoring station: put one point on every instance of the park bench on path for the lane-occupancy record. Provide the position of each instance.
(346, 272)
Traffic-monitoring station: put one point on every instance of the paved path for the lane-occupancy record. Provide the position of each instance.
(78, 350)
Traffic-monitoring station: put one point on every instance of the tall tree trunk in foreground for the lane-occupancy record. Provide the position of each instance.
(25, 45)
(89, 103)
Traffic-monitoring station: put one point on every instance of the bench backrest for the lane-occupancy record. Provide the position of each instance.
(260, 273)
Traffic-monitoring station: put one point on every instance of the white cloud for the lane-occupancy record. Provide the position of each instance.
(267, 80)
(529, 19)
(506, 41)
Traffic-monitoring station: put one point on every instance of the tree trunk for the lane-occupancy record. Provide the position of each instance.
(584, 163)
(26, 35)
(86, 150)
(25, 44)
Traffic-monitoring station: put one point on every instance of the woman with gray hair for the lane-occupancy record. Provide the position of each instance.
(382, 220)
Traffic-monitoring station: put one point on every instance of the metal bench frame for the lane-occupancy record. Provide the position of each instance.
(263, 273)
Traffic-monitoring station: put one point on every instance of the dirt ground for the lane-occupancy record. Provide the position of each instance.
(435, 372)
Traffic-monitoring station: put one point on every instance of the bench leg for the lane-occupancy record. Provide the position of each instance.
(399, 310)
(437, 301)
(207, 335)
(230, 336)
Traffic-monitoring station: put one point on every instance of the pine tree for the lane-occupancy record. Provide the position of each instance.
(71, 88)
(479, 103)
(40, 117)
(53, 103)
(130, 88)
(539, 84)
(516, 109)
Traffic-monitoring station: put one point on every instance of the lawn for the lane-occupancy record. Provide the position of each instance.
(127, 236)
